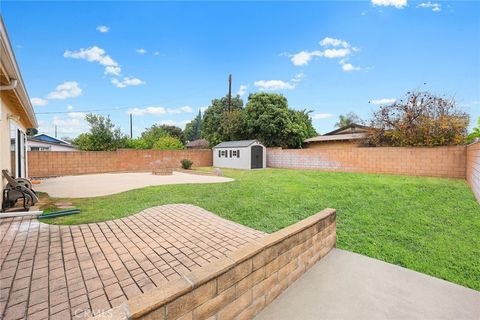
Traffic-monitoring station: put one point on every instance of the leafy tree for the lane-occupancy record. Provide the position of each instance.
(138, 143)
(193, 129)
(215, 125)
(268, 119)
(348, 119)
(475, 132)
(168, 143)
(155, 132)
(421, 119)
(103, 135)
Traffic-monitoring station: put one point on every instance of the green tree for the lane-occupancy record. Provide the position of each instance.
(215, 120)
(193, 129)
(102, 136)
(269, 120)
(168, 143)
(138, 143)
(475, 132)
(155, 132)
(31, 132)
(348, 119)
(421, 119)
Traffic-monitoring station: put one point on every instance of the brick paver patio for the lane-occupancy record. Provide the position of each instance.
(70, 272)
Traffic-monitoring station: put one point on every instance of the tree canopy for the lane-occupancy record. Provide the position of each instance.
(102, 136)
(155, 132)
(475, 132)
(421, 119)
(193, 129)
(348, 119)
(168, 143)
(266, 117)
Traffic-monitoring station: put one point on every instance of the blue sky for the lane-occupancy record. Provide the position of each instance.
(163, 61)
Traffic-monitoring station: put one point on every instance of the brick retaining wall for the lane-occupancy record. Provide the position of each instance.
(435, 162)
(58, 163)
(241, 284)
(473, 168)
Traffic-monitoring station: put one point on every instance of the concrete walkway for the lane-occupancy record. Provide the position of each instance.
(346, 285)
(73, 272)
(94, 185)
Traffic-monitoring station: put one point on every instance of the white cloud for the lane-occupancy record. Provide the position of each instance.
(141, 51)
(103, 29)
(95, 54)
(303, 57)
(69, 89)
(383, 101)
(390, 3)
(158, 111)
(185, 109)
(69, 108)
(73, 124)
(203, 109)
(436, 7)
(39, 102)
(241, 91)
(180, 123)
(346, 66)
(127, 82)
(156, 53)
(298, 77)
(273, 85)
(327, 41)
(336, 53)
(318, 116)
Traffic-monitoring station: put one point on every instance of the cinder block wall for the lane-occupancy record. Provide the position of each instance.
(473, 168)
(435, 162)
(241, 284)
(58, 163)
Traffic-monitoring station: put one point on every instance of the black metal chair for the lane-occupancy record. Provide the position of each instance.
(17, 188)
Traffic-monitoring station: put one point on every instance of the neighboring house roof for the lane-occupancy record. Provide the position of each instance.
(235, 144)
(199, 143)
(9, 72)
(33, 140)
(350, 132)
(43, 137)
(351, 136)
(352, 128)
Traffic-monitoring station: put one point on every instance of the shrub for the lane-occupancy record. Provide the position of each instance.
(168, 143)
(186, 164)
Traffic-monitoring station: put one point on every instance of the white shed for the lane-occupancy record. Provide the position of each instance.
(244, 154)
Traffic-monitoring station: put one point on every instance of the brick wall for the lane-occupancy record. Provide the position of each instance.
(58, 163)
(241, 284)
(473, 168)
(435, 162)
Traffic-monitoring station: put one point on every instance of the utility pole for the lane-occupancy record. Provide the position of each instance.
(229, 92)
(131, 130)
(55, 131)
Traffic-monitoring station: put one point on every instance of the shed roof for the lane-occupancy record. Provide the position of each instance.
(235, 144)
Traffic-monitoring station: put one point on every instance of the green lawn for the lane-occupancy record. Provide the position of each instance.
(430, 225)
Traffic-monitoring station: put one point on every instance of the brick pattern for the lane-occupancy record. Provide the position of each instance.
(70, 272)
(60, 163)
(473, 168)
(434, 162)
(241, 284)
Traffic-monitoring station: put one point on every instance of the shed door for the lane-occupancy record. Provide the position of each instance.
(257, 157)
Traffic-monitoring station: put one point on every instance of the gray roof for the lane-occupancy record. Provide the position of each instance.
(235, 144)
(336, 137)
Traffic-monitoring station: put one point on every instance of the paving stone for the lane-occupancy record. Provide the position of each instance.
(70, 270)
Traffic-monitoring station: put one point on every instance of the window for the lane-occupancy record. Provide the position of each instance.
(224, 153)
(238, 153)
(234, 153)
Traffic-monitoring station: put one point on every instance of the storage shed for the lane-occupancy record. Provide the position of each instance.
(244, 154)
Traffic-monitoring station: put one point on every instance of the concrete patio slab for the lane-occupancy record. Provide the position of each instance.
(94, 185)
(346, 285)
(65, 272)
